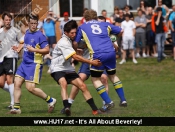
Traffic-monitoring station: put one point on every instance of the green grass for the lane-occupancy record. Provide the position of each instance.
(149, 89)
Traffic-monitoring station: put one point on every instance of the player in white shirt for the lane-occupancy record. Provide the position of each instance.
(64, 73)
(128, 37)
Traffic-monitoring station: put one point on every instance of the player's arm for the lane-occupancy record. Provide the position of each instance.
(40, 51)
(115, 29)
(81, 59)
(170, 23)
(77, 38)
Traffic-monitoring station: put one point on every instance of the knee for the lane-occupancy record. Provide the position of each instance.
(31, 89)
(104, 79)
(83, 87)
(63, 84)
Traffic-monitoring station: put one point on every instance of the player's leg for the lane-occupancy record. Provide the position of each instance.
(84, 73)
(104, 80)
(75, 80)
(110, 65)
(17, 95)
(10, 66)
(60, 78)
(31, 87)
(118, 87)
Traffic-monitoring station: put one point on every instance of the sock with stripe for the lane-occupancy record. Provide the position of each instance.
(102, 92)
(48, 99)
(17, 106)
(119, 89)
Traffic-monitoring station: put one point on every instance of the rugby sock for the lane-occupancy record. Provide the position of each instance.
(11, 90)
(119, 89)
(103, 102)
(70, 102)
(48, 99)
(92, 104)
(17, 106)
(6, 87)
(65, 103)
(102, 92)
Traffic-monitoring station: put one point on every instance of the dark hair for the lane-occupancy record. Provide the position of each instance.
(102, 18)
(33, 17)
(72, 24)
(6, 14)
(127, 15)
(143, 2)
(140, 10)
(103, 11)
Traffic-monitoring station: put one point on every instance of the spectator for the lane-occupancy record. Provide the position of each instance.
(40, 25)
(142, 7)
(140, 22)
(119, 19)
(160, 29)
(118, 22)
(165, 9)
(49, 29)
(12, 22)
(63, 22)
(104, 14)
(115, 14)
(127, 8)
(83, 20)
(1, 22)
(128, 27)
(172, 28)
(150, 36)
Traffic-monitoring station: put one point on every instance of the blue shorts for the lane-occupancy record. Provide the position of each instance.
(85, 68)
(30, 72)
(108, 61)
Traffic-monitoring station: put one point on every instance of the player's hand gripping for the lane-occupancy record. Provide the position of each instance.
(96, 62)
(31, 49)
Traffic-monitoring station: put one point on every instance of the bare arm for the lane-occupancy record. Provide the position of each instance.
(170, 25)
(167, 10)
(81, 59)
(134, 31)
(40, 51)
(75, 45)
(158, 19)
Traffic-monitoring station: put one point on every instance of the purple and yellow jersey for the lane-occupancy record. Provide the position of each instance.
(96, 35)
(36, 40)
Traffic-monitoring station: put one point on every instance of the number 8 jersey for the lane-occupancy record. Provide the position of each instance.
(96, 35)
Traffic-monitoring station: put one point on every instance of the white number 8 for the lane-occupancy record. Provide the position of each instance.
(96, 29)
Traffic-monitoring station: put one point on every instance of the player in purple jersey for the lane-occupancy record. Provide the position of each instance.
(30, 69)
(96, 35)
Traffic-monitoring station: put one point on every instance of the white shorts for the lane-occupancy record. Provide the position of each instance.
(128, 42)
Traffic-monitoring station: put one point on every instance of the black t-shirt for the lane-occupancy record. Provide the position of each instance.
(159, 28)
(119, 20)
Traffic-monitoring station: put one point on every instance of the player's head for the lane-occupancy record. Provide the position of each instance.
(101, 19)
(90, 15)
(70, 29)
(7, 17)
(33, 22)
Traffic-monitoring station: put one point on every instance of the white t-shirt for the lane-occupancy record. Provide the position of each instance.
(128, 27)
(61, 55)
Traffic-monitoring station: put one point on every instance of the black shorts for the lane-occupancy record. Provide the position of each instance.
(51, 40)
(68, 76)
(8, 66)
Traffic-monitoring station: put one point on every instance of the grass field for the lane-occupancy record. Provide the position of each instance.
(149, 89)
